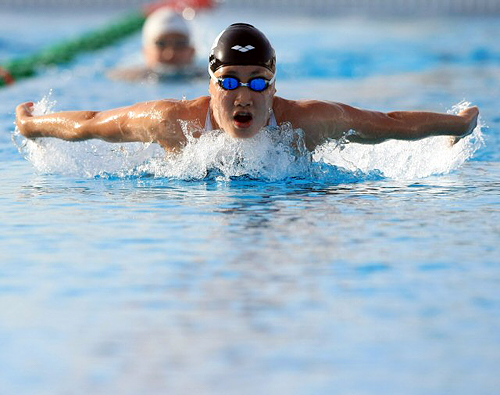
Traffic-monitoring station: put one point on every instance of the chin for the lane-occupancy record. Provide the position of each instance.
(244, 133)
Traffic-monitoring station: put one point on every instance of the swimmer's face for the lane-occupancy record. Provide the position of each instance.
(241, 112)
(169, 49)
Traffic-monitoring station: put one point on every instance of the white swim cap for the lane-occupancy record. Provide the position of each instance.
(163, 20)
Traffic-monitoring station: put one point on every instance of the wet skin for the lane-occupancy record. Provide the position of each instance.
(241, 112)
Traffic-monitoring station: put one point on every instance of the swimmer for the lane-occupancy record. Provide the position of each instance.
(166, 47)
(242, 100)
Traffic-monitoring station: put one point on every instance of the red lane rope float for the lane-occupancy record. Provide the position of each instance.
(6, 76)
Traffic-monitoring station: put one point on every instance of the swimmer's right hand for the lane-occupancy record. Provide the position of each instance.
(24, 112)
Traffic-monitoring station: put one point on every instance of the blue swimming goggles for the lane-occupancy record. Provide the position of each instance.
(257, 84)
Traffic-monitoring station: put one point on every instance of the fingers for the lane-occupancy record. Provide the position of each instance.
(24, 109)
(23, 112)
(29, 106)
(470, 115)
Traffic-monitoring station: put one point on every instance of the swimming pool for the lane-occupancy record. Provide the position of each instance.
(379, 276)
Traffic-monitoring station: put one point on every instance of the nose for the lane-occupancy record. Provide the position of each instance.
(168, 54)
(243, 97)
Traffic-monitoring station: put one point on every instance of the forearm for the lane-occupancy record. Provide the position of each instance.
(418, 125)
(135, 123)
(69, 125)
(373, 127)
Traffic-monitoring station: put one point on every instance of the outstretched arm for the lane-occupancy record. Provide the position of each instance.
(322, 121)
(143, 122)
(375, 127)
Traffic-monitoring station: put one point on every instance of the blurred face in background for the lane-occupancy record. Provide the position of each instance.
(169, 49)
(166, 40)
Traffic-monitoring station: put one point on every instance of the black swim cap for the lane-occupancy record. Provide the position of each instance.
(242, 44)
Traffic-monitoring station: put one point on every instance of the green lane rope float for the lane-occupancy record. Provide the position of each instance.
(65, 52)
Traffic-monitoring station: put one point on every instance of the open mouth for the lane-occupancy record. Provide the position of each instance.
(243, 119)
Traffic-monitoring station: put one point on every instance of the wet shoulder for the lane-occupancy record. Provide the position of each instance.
(320, 120)
(305, 113)
(298, 112)
(188, 110)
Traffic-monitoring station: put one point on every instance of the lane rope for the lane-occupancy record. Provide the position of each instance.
(65, 52)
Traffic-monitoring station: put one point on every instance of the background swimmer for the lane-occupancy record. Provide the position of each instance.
(242, 101)
(167, 49)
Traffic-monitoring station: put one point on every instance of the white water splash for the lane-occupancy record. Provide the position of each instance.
(274, 154)
(399, 159)
(82, 159)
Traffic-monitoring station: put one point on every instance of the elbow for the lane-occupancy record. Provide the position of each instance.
(84, 128)
(377, 127)
(400, 127)
(373, 133)
(80, 133)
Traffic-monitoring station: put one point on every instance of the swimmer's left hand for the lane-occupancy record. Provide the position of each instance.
(470, 117)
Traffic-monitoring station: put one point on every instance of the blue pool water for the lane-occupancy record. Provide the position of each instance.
(239, 269)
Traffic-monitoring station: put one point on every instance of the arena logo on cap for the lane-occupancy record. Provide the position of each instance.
(243, 49)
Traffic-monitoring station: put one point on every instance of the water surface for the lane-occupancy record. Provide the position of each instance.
(115, 280)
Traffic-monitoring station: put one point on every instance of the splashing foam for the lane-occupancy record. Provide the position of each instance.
(274, 154)
(90, 158)
(406, 159)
